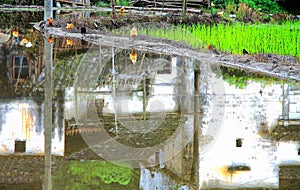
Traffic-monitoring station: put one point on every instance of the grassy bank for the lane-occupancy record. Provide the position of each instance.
(282, 39)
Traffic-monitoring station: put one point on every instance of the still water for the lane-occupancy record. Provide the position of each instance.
(127, 119)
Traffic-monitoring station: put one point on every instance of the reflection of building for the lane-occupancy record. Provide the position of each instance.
(289, 177)
(243, 153)
(23, 63)
(20, 67)
(160, 179)
(22, 142)
(22, 129)
(21, 173)
(88, 109)
(290, 105)
(174, 166)
(158, 96)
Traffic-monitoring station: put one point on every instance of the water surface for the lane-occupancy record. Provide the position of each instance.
(166, 122)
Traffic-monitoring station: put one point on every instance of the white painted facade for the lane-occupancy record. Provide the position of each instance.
(244, 111)
(22, 120)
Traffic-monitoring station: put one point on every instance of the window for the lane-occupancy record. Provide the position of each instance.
(20, 146)
(21, 68)
(238, 142)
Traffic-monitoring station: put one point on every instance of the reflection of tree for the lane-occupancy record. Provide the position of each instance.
(280, 133)
(19, 20)
(93, 175)
(238, 78)
(241, 78)
(4, 109)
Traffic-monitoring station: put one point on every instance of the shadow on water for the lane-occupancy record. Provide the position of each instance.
(166, 122)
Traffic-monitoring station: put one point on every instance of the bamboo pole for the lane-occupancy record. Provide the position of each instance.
(162, 9)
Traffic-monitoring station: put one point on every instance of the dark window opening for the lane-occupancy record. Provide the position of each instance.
(298, 151)
(20, 146)
(167, 68)
(21, 68)
(238, 142)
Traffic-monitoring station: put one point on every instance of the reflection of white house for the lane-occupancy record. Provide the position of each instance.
(21, 129)
(239, 156)
(151, 179)
(291, 105)
(160, 99)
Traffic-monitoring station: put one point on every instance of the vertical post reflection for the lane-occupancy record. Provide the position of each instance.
(197, 130)
(48, 113)
(114, 72)
(144, 98)
(285, 104)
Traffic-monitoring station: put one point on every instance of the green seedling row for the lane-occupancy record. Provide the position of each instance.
(282, 39)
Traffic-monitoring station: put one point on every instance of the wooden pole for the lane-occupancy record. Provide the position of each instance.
(113, 3)
(48, 56)
(48, 11)
(211, 14)
(48, 114)
(184, 7)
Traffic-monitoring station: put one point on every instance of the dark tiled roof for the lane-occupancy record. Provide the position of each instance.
(22, 169)
(289, 177)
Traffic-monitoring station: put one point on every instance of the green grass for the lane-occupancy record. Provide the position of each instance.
(241, 78)
(282, 39)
